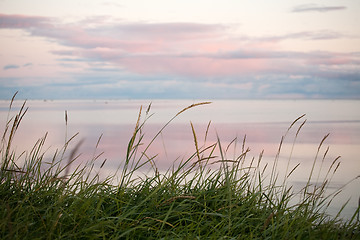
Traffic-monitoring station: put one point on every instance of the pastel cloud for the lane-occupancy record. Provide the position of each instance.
(186, 53)
(22, 21)
(16, 66)
(11, 66)
(306, 35)
(317, 8)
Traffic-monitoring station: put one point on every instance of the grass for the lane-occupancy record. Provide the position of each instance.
(207, 196)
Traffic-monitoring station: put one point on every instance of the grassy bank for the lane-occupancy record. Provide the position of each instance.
(43, 199)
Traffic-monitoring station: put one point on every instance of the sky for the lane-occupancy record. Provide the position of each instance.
(167, 49)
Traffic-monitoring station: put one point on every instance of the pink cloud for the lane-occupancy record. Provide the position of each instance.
(334, 59)
(195, 66)
(183, 49)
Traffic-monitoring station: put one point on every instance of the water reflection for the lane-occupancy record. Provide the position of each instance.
(263, 122)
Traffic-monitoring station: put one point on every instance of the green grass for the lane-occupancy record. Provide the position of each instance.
(192, 200)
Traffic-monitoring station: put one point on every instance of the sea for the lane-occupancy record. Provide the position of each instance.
(290, 133)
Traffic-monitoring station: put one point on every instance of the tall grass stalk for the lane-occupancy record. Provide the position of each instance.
(206, 196)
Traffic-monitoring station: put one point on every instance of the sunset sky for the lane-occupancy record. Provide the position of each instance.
(194, 49)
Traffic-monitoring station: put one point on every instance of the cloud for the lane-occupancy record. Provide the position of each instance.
(22, 21)
(313, 57)
(193, 57)
(27, 64)
(125, 39)
(316, 8)
(11, 66)
(15, 66)
(307, 35)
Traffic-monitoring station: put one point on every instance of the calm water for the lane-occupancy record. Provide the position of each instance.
(263, 123)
